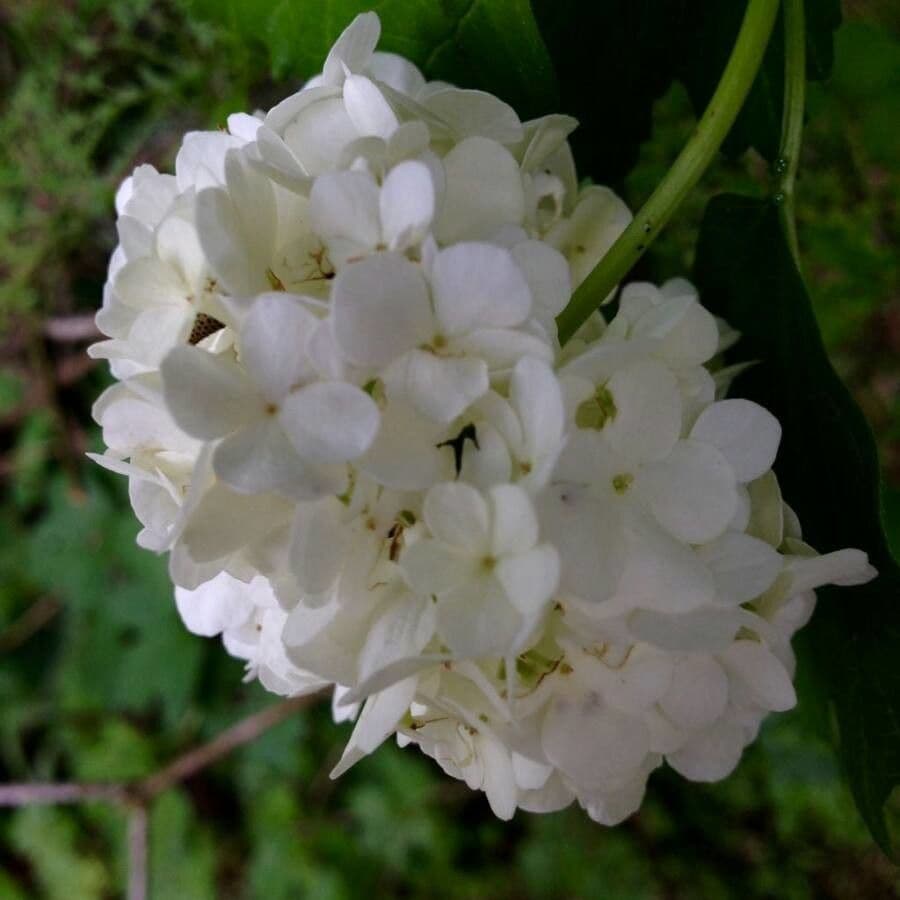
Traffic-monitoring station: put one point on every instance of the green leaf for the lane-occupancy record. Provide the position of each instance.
(613, 59)
(823, 17)
(120, 616)
(497, 47)
(50, 840)
(829, 471)
(182, 853)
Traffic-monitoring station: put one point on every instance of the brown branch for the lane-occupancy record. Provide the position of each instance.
(136, 796)
(142, 791)
(205, 755)
(41, 794)
(39, 614)
(138, 840)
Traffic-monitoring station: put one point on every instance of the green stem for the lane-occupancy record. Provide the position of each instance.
(692, 162)
(792, 121)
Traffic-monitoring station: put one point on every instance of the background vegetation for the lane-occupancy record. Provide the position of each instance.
(99, 680)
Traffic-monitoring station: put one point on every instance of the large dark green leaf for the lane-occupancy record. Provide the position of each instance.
(613, 59)
(829, 471)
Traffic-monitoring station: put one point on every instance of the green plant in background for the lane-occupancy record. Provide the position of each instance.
(89, 89)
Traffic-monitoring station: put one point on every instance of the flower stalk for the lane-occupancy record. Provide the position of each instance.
(692, 162)
(792, 122)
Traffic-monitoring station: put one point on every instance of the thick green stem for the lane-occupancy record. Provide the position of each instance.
(692, 162)
(792, 121)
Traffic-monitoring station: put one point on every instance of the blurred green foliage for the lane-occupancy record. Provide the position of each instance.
(99, 680)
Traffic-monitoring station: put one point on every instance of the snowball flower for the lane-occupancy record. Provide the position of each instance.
(435, 340)
(283, 429)
(483, 565)
(355, 217)
(343, 410)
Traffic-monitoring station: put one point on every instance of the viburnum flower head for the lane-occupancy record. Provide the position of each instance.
(344, 411)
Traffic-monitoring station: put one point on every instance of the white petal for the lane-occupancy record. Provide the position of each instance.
(273, 343)
(647, 421)
(478, 285)
(406, 204)
(499, 784)
(698, 693)
(225, 521)
(484, 191)
(378, 719)
(394, 672)
(688, 333)
(439, 388)
(692, 492)
(471, 113)
(552, 797)
(367, 108)
(515, 525)
(530, 579)
(404, 454)
(280, 164)
(641, 681)
(535, 393)
(661, 573)
(746, 434)
(543, 137)
(766, 510)
(215, 606)
(548, 276)
(432, 567)
(397, 72)
(208, 396)
(411, 140)
(487, 464)
(613, 807)
(326, 639)
(598, 220)
(353, 48)
(178, 245)
(244, 126)
(763, 673)
(711, 755)
(502, 348)
(200, 162)
(530, 774)
(222, 235)
(330, 421)
(319, 540)
(380, 309)
(702, 631)
(458, 515)
(844, 567)
(149, 283)
(345, 205)
(254, 203)
(476, 620)
(588, 534)
(257, 459)
(593, 746)
(319, 133)
(400, 633)
(743, 567)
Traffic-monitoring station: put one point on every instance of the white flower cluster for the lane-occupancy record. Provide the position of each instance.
(343, 410)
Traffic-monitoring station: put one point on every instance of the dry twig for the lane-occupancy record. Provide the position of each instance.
(137, 796)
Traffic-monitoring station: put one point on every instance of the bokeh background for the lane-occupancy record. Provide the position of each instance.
(99, 680)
